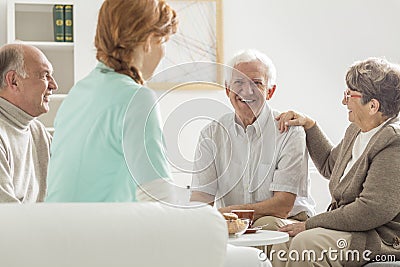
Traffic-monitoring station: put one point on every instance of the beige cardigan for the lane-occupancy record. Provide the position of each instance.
(367, 201)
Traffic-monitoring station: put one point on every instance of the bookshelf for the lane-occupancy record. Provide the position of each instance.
(31, 21)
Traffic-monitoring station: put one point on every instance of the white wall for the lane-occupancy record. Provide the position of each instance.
(84, 40)
(3, 21)
(312, 43)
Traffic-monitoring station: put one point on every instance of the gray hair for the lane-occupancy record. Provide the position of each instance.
(11, 58)
(376, 78)
(252, 55)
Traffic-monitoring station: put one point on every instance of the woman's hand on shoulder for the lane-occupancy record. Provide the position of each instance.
(292, 118)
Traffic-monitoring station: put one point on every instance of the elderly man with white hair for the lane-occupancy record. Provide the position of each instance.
(243, 162)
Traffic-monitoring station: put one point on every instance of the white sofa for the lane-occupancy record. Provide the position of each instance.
(118, 235)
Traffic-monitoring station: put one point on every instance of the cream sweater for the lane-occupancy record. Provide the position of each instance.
(24, 155)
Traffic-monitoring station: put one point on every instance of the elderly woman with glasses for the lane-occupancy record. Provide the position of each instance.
(363, 220)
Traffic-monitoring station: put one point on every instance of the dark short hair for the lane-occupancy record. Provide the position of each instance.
(376, 78)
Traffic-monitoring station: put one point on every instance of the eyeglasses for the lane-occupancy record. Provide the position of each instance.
(244, 83)
(348, 95)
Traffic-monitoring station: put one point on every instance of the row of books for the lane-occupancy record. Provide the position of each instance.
(63, 23)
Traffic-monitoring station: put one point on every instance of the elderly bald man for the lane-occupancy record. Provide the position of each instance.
(26, 82)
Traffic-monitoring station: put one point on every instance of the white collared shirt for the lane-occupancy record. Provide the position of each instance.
(240, 166)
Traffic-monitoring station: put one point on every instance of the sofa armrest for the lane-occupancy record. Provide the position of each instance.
(110, 234)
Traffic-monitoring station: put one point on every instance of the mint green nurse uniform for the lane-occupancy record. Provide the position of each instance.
(107, 140)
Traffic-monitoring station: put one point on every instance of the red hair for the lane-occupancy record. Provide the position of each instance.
(123, 25)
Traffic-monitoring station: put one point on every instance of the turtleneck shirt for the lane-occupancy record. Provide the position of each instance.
(24, 155)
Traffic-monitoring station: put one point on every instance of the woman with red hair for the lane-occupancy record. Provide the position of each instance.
(107, 145)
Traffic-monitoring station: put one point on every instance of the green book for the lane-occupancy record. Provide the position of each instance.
(58, 19)
(68, 18)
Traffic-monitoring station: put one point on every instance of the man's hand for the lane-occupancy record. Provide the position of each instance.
(294, 228)
(279, 206)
